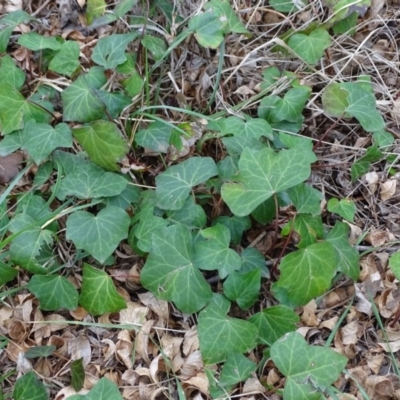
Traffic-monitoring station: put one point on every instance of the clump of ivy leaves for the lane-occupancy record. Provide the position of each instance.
(267, 166)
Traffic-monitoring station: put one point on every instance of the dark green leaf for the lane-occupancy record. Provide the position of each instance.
(209, 29)
(237, 368)
(10, 73)
(29, 387)
(66, 61)
(34, 41)
(40, 351)
(306, 199)
(77, 374)
(344, 207)
(236, 226)
(7, 273)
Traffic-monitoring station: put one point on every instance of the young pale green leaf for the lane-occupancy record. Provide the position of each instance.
(310, 48)
(29, 387)
(214, 253)
(305, 274)
(99, 235)
(90, 181)
(175, 184)
(27, 246)
(243, 288)
(208, 29)
(7, 273)
(345, 208)
(109, 51)
(40, 351)
(169, 272)
(155, 45)
(394, 264)
(95, 8)
(348, 256)
(224, 10)
(155, 137)
(103, 142)
(77, 374)
(236, 226)
(34, 41)
(262, 174)
(133, 85)
(10, 73)
(273, 322)
(98, 293)
(54, 292)
(309, 228)
(221, 335)
(81, 101)
(123, 7)
(334, 101)
(39, 139)
(306, 199)
(309, 370)
(66, 61)
(237, 368)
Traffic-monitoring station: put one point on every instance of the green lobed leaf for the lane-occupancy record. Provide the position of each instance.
(309, 228)
(8, 23)
(243, 288)
(133, 85)
(90, 181)
(29, 387)
(306, 199)
(344, 207)
(10, 73)
(10, 143)
(81, 101)
(310, 47)
(285, 6)
(155, 45)
(253, 259)
(305, 274)
(40, 139)
(34, 41)
(208, 28)
(99, 235)
(155, 137)
(103, 142)
(104, 389)
(95, 8)
(169, 272)
(53, 292)
(308, 369)
(236, 226)
(66, 61)
(123, 7)
(213, 252)
(221, 335)
(98, 293)
(77, 374)
(191, 214)
(115, 102)
(40, 351)
(7, 273)
(224, 10)
(109, 51)
(175, 184)
(237, 368)
(273, 322)
(348, 256)
(262, 174)
(130, 195)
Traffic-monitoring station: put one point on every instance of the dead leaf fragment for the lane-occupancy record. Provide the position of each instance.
(388, 189)
(9, 166)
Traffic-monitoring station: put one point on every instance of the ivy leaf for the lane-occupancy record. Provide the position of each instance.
(130, 195)
(66, 61)
(174, 185)
(101, 234)
(309, 370)
(54, 292)
(109, 51)
(7, 273)
(214, 252)
(345, 208)
(243, 288)
(208, 29)
(81, 101)
(169, 272)
(191, 214)
(40, 351)
(224, 10)
(103, 142)
(253, 259)
(34, 41)
(305, 274)
(306, 199)
(10, 143)
(237, 368)
(310, 47)
(104, 389)
(348, 257)
(39, 139)
(27, 246)
(262, 174)
(98, 293)
(90, 181)
(95, 8)
(155, 137)
(30, 387)
(155, 45)
(273, 322)
(123, 7)
(221, 335)
(308, 227)
(10, 73)
(236, 226)
(77, 374)
(9, 22)
(115, 102)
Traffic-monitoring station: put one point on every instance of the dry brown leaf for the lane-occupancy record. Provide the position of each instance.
(192, 365)
(160, 307)
(134, 313)
(308, 316)
(198, 382)
(80, 348)
(9, 166)
(377, 237)
(388, 189)
(329, 323)
(375, 362)
(191, 341)
(142, 341)
(372, 179)
(351, 333)
(253, 385)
